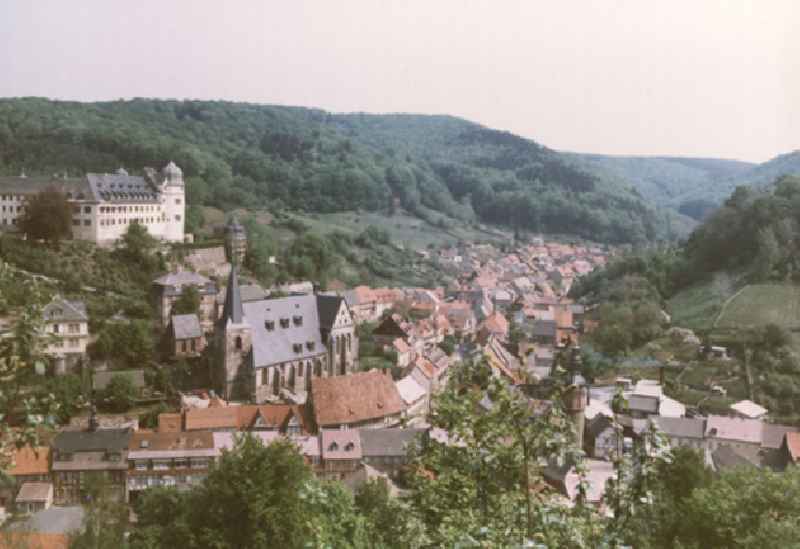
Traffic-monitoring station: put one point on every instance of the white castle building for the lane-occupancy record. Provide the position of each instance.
(104, 205)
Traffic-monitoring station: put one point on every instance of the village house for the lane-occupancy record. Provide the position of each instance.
(369, 304)
(34, 497)
(78, 455)
(168, 288)
(682, 431)
(341, 453)
(364, 399)
(308, 446)
(105, 205)
(387, 449)
(168, 459)
(187, 339)
(280, 418)
(415, 396)
(66, 328)
(209, 262)
(30, 465)
(749, 410)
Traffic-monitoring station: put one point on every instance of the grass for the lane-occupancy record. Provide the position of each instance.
(761, 304)
(698, 306)
(404, 229)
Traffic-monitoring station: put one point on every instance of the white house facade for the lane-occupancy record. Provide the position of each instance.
(105, 205)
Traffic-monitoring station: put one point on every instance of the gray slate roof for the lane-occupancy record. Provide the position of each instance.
(328, 307)
(276, 346)
(62, 310)
(772, 435)
(88, 441)
(388, 442)
(683, 427)
(121, 187)
(233, 310)
(186, 327)
(75, 187)
(252, 292)
(94, 187)
(182, 278)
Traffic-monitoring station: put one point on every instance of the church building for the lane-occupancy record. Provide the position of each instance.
(271, 346)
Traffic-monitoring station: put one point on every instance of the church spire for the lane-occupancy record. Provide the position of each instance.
(233, 300)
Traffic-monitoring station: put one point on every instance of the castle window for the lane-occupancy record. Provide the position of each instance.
(284, 323)
(298, 320)
(297, 347)
(269, 325)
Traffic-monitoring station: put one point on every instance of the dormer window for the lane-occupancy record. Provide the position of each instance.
(284, 323)
(298, 320)
(310, 345)
(269, 325)
(297, 347)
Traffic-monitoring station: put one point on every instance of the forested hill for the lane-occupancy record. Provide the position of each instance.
(692, 186)
(247, 155)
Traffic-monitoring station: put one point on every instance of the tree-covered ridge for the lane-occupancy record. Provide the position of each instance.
(248, 155)
(692, 186)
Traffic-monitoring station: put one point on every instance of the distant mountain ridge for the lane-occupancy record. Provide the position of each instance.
(692, 186)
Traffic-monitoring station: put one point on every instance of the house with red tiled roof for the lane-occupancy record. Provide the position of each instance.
(284, 418)
(357, 400)
(790, 449)
(29, 464)
(496, 325)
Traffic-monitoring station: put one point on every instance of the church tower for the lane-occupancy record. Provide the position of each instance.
(234, 343)
(235, 242)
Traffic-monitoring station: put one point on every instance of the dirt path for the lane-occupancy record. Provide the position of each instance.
(725, 305)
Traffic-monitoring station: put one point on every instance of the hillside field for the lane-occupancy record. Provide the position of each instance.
(761, 304)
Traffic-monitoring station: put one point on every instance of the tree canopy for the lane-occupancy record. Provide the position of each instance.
(47, 216)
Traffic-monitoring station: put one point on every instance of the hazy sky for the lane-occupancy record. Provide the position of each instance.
(698, 77)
